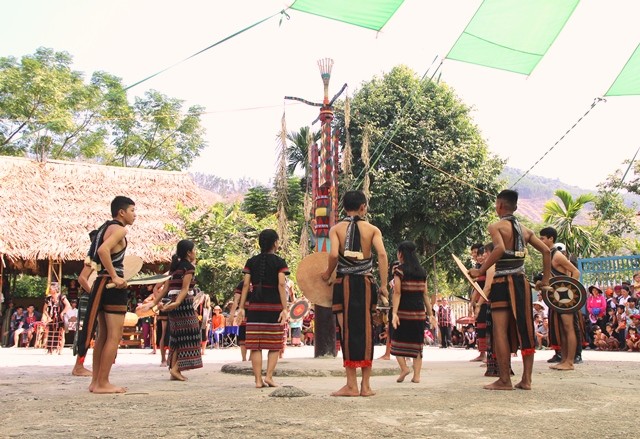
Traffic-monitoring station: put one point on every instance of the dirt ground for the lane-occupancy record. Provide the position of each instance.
(39, 397)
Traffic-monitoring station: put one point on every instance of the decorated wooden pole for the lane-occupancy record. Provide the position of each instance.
(325, 211)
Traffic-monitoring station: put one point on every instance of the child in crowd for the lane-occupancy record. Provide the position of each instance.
(599, 339)
(470, 337)
(633, 341)
(612, 341)
(631, 309)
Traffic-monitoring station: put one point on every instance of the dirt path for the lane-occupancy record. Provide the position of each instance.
(449, 403)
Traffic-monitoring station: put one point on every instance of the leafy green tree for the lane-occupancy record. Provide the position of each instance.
(225, 237)
(159, 136)
(48, 111)
(563, 215)
(30, 286)
(260, 202)
(615, 223)
(433, 178)
(298, 149)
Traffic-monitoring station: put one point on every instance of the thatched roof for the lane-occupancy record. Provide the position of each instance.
(47, 209)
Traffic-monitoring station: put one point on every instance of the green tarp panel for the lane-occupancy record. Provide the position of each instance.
(372, 14)
(628, 80)
(512, 35)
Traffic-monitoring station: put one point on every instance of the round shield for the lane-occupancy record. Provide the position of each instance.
(299, 309)
(310, 281)
(566, 295)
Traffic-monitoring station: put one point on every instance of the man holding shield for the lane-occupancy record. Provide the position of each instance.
(511, 305)
(354, 290)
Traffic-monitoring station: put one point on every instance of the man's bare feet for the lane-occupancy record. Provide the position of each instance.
(346, 391)
(109, 388)
(499, 385)
(403, 375)
(81, 371)
(562, 366)
(269, 382)
(367, 392)
(523, 386)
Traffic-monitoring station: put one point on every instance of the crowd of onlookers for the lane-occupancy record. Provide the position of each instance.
(611, 318)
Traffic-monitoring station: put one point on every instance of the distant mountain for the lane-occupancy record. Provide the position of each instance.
(534, 191)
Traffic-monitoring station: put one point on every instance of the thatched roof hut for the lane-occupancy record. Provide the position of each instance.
(48, 208)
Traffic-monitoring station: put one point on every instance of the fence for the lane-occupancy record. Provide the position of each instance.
(608, 271)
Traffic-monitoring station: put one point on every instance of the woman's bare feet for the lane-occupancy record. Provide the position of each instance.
(480, 357)
(109, 388)
(346, 391)
(81, 371)
(176, 375)
(415, 379)
(384, 357)
(499, 385)
(403, 375)
(269, 382)
(523, 386)
(163, 364)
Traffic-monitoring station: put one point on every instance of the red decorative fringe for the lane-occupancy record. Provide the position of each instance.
(529, 351)
(556, 347)
(356, 364)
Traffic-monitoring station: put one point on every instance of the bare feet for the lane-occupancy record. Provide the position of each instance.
(562, 366)
(269, 382)
(176, 375)
(163, 364)
(415, 379)
(523, 386)
(367, 392)
(81, 371)
(403, 375)
(109, 388)
(499, 385)
(385, 357)
(346, 391)
(478, 358)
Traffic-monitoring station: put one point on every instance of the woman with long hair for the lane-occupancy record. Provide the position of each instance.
(267, 306)
(410, 307)
(184, 326)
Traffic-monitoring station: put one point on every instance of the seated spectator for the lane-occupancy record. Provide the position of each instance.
(633, 341)
(542, 334)
(612, 340)
(217, 326)
(599, 339)
(631, 309)
(621, 319)
(539, 310)
(17, 326)
(470, 337)
(456, 337)
(30, 326)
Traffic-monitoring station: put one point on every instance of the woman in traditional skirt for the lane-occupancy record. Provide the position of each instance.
(267, 310)
(184, 326)
(410, 305)
(241, 322)
(55, 308)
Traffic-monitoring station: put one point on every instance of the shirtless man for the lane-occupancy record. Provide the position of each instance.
(562, 325)
(512, 322)
(354, 290)
(108, 305)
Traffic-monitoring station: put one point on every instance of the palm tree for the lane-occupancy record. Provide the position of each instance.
(562, 217)
(298, 150)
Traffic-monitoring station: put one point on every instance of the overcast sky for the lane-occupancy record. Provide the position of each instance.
(243, 81)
